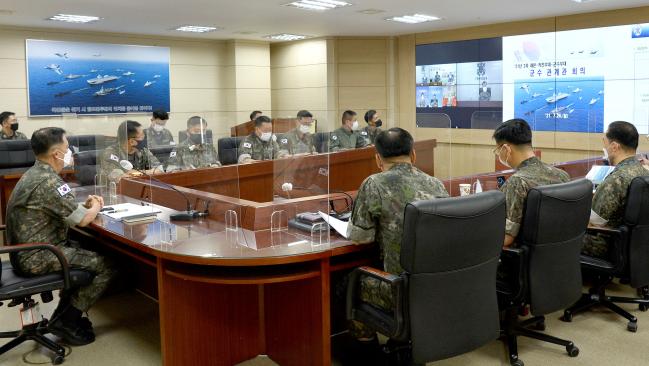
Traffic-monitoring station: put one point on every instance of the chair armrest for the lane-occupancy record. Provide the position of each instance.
(65, 268)
(397, 286)
(618, 244)
(3, 227)
(513, 263)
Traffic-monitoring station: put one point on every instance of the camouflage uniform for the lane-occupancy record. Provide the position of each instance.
(529, 174)
(156, 139)
(252, 147)
(609, 203)
(189, 156)
(342, 139)
(40, 210)
(378, 216)
(294, 144)
(112, 155)
(16, 136)
(370, 135)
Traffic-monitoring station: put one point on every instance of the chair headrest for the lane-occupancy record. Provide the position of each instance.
(637, 203)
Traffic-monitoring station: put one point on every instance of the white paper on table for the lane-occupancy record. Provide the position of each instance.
(126, 210)
(338, 225)
(596, 219)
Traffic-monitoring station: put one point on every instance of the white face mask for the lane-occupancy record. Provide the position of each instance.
(67, 158)
(355, 126)
(305, 128)
(158, 128)
(265, 136)
(503, 162)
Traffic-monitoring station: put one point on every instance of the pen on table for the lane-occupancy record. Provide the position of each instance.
(116, 211)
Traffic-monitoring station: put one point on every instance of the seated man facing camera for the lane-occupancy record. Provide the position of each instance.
(378, 211)
(196, 151)
(609, 201)
(130, 155)
(514, 149)
(260, 144)
(41, 209)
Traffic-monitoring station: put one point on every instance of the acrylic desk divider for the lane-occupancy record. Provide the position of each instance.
(318, 231)
(231, 221)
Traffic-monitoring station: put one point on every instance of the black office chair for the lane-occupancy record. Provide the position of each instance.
(228, 149)
(80, 143)
(445, 302)
(16, 154)
(543, 270)
(18, 290)
(85, 166)
(321, 142)
(628, 261)
(162, 153)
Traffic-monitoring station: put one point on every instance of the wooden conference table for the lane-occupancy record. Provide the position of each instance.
(240, 283)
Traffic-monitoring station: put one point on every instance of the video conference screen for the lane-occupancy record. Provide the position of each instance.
(571, 81)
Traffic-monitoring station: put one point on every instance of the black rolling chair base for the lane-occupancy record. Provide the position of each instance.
(35, 332)
(513, 329)
(597, 297)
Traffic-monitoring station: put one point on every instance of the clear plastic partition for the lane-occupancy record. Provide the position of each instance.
(433, 134)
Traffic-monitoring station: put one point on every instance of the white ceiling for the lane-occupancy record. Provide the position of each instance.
(158, 17)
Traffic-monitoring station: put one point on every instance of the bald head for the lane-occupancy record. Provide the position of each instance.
(394, 142)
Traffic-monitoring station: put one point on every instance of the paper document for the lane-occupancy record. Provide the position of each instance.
(598, 173)
(129, 210)
(596, 219)
(338, 225)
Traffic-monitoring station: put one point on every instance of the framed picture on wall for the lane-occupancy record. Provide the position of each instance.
(95, 78)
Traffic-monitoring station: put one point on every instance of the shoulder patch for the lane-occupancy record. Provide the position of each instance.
(334, 137)
(364, 133)
(63, 190)
(247, 145)
(172, 154)
(284, 141)
(114, 157)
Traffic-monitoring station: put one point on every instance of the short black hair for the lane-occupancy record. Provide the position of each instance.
(127, 130)
(253, 114)
(261, 120)
(348, 114)
(4, 116)
(43, 139)
(304, 114)
(369, 115)
(195, 120)
(161, 115)
(515, 131)
(394, 142)
(624, 133)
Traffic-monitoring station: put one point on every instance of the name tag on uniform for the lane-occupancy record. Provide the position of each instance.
(172, 154)
(284, 141)
(247, 145)
(334, 137)
(114, 157)
(364, 133)
(63, 190)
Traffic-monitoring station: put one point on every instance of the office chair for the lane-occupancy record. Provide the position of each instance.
(321, 142)
(18, 290)
(16, 154)
(543, 270)
(228, 149)
(628, 259)
(445, 301)
(85, 166)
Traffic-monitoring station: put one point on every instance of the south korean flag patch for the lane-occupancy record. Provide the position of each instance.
(334, 137)
(247, 145)
(114, 157)
(64, 189)
(172, 154)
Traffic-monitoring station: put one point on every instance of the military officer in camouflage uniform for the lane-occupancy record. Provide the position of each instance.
(261, 144)
(131, 146)
(9, 130)
(195, 152)
(373, 127)
(299, 140)
(378, 210)
(514, 149)
(609, 201)
(40, 210)
(157, 135)
(347, 136)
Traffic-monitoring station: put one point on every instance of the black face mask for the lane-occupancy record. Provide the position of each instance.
(195, 138)
(141, 144)
(378, 123)
(14, 126)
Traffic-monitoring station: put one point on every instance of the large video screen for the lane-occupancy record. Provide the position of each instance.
(572, 81)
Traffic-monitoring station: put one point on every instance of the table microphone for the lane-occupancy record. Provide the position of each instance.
(187, 215)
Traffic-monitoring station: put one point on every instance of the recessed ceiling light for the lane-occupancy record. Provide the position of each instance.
(413, 19)
(371, 11)
(583, 1)
(318, 4)
(286, 37)
(196, 29)
(74, 18)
